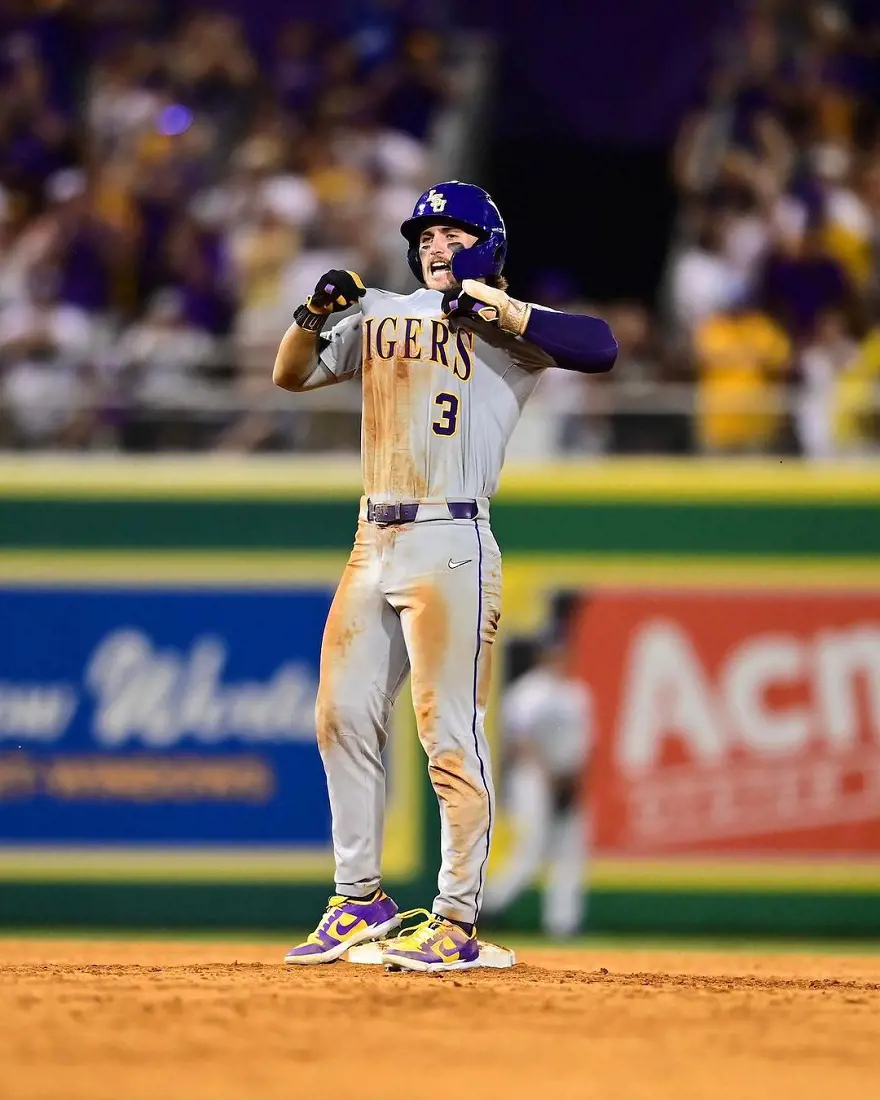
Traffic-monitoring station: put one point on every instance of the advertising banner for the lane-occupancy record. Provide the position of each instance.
(735, 722)
(161, 716)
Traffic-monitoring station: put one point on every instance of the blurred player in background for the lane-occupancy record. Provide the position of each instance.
(547, 732)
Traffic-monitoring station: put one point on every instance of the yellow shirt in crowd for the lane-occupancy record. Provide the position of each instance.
(853, 250)
(855, 393)
(741, 358)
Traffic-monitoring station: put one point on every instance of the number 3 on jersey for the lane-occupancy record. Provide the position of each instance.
(447, 421)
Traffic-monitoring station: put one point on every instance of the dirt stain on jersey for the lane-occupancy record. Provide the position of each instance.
(389, 465)
(464, 803)
(370, 428)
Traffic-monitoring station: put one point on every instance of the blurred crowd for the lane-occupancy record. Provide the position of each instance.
(771, 307)
(168, 195)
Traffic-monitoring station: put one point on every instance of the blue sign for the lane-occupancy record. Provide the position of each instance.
(161, 716)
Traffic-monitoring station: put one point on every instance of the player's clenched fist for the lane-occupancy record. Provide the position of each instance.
(476, 300)
(456, 303)
(334, 291)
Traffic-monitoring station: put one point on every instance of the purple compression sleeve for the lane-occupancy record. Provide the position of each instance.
(575, 341)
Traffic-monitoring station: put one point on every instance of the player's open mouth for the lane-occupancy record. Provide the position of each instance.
(438, 266)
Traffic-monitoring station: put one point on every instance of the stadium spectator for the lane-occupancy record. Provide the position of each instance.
(742, 361)
(296, 68)
(161, 369)
(704, 277)
(800, 280)
(857, 400)
(36, 139)
(47, 389)
(824, 362)
(649, 397)
(847, 224)
(412, 87)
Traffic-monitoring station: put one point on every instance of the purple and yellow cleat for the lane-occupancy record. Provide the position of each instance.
(434, 945)
(346, 922)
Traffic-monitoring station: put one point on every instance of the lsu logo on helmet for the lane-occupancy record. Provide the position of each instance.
(436, 200)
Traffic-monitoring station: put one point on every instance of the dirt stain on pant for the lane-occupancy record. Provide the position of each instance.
(452, 766)
(340, 630)
(429, 644)
(465, 807)
(487, 641)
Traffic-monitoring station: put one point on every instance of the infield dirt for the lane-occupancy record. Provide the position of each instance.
(113, 1020)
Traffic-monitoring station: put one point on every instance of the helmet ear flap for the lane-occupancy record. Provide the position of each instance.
(481, 261)
(476, 262)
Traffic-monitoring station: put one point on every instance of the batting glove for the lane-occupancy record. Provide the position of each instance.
(335, 290)
(496, 307)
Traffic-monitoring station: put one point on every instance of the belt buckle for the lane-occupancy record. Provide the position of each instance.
(386, 513)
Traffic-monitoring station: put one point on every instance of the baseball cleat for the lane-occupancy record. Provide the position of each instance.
(433, 946)
(346, 922)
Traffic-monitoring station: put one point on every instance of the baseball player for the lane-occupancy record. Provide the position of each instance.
(547, 723)
(445, 373)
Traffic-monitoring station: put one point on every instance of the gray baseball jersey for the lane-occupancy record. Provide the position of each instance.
(440, 402)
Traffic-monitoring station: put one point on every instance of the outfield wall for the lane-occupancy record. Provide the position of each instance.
(160, 626)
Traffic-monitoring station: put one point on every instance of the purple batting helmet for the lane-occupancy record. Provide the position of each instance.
(470, 208)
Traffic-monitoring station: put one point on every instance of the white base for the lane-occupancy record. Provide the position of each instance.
(491, 954)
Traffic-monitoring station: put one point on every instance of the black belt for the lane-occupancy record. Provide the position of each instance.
(406, 513)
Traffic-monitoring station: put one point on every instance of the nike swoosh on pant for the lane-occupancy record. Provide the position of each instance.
(455, 564)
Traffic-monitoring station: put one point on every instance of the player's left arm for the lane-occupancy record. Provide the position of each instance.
(575, 341)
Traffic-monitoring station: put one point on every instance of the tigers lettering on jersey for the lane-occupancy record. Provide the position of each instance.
(420, 339)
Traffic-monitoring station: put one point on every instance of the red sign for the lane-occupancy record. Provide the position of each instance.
(733, 721)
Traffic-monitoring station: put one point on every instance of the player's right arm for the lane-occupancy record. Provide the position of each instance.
(306, 359)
